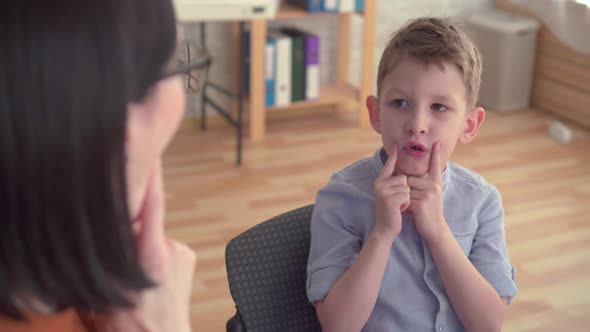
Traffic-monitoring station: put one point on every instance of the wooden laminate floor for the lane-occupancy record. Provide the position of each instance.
(545, 187)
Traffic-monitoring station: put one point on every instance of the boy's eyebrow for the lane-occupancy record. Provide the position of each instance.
(444, 98)
(440, 97)
(395, 90)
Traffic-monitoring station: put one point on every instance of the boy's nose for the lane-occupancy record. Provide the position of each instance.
(418, 124)
(418, 130)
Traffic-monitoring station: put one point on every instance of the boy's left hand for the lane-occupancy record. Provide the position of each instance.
(426, 198)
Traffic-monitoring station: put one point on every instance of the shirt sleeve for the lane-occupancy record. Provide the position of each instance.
(336, 237)
(489, 254)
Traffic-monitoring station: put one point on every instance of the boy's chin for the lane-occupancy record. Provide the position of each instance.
(413, 170)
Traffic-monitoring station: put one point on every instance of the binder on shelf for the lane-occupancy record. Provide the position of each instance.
(312, 67)
(270, 70)
(313, 6)
(283, 65)
(298, 39)
(347, 6)
(331, 5)
(305, 70)
(360, 5)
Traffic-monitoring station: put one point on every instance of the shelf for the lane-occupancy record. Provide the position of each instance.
(329, 95)
(289, 11)
(339, 94)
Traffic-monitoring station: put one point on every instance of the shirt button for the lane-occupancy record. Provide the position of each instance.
(440, 328)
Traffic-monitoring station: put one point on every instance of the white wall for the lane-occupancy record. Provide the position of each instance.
(391, 14)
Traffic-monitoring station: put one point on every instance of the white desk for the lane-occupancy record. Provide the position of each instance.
(224, 10)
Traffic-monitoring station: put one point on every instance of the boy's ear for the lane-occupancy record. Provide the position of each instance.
(473, 122)
(374, 113)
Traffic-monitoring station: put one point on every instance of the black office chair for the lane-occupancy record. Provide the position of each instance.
(266, 269)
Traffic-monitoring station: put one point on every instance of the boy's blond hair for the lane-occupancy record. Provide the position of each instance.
(434, 40)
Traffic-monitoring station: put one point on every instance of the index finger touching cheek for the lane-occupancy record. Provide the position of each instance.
(389, 166)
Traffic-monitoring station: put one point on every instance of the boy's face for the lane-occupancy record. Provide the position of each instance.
(421, 104)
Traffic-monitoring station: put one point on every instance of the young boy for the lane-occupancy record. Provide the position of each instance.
(406, 240)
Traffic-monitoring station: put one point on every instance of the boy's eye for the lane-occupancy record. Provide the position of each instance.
(400, 103)
(439, 107)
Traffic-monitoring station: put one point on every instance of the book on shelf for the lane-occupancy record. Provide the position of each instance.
(330, 5)
(270, 71)
(291, 65)
(347, 6)
(298, 39)
(305, 69)
(313, 6)
(283, 65)
(312, 67)
(360, 5)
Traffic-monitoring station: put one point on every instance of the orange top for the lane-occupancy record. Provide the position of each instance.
(67, 321)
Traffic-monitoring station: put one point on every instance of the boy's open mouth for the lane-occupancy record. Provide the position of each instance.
(415, 146)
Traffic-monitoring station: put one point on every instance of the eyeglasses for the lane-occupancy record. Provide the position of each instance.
(192, 64)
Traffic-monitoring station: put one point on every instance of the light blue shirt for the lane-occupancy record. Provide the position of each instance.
(412, 296)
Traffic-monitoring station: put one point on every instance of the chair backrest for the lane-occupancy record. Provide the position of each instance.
(266, 269)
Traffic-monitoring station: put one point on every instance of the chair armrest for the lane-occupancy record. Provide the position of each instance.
(235, 324)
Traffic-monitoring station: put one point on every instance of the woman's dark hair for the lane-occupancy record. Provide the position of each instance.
(67, 74)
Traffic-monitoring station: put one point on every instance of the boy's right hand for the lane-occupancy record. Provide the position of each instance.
(392, 197)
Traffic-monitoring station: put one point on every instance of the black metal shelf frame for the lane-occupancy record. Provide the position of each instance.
(206, 100)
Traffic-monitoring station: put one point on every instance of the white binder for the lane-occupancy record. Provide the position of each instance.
(284, 64)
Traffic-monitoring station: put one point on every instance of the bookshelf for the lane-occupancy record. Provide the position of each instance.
(339, 93)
